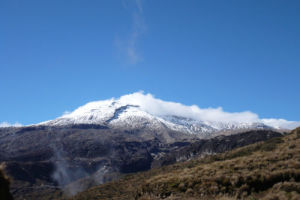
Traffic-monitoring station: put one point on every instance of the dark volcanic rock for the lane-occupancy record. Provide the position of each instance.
(215, 145)
(133, 156)
(52, 157)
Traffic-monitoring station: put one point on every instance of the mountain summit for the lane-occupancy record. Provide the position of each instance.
(144, 111)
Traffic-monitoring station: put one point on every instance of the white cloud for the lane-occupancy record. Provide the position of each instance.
(157, 106)
(6, 124)
(281, 123)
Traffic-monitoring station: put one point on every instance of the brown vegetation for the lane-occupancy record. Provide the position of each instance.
(266, 170)
(4, 187)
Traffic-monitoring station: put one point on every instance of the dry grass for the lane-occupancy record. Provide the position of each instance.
(267, 170)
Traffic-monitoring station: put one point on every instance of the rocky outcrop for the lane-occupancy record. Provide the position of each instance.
(214, 145)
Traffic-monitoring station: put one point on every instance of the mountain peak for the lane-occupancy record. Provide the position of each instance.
(138, 110)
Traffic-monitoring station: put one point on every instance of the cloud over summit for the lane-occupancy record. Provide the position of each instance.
(159, 107)
(147, 102)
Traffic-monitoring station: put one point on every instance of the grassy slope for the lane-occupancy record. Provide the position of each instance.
(266, 170)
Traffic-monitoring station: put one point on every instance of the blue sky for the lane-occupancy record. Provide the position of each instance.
(58, 55)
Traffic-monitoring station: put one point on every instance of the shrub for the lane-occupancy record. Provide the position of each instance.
(4, 187)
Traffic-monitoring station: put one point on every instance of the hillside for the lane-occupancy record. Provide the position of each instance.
(43, 162)
(266, 170)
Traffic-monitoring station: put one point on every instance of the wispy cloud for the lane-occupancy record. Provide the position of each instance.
(66, 112)
(128, 47)
(139, 5)
(6, 124)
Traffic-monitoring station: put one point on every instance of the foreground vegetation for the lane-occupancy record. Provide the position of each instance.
(4, 187)
(267, 170)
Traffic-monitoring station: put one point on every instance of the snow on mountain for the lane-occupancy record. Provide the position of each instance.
(139, 110)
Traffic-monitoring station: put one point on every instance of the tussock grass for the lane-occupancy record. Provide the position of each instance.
(267, 170)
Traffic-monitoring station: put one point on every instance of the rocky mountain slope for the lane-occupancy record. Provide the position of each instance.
(267, 170)
(55, 160)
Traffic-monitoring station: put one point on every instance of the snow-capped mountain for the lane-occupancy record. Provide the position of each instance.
(140, 111)
(135, 132)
